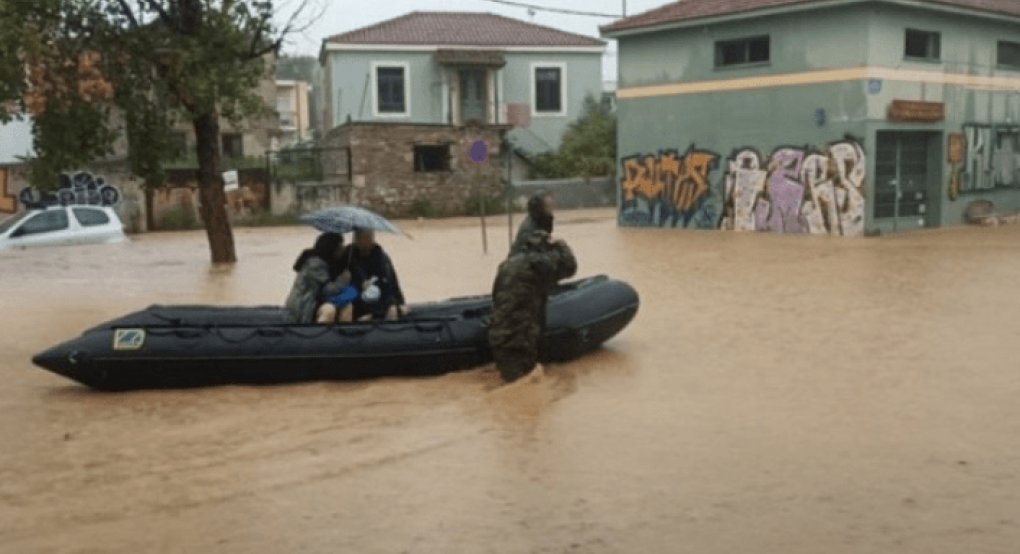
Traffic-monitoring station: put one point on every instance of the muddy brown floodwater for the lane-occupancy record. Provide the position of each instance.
(774, 395)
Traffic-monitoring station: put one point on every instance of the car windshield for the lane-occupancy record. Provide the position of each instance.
(6, 224)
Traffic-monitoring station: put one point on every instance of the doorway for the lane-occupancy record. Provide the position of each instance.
(907, 180)
(472, 95)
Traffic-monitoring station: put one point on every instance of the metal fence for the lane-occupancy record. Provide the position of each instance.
(326, 165)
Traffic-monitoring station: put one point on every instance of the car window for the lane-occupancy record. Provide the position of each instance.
(89, 217)
(50, 220)
(11, 222)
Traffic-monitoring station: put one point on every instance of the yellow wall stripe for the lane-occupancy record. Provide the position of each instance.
(822, 76)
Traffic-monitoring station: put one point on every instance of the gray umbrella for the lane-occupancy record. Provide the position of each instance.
(344, 219)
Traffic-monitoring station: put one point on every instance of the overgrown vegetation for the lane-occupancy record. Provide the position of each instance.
(588, 148)
(179, 219)
(264, 218)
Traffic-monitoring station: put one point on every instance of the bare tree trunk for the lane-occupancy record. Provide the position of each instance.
(210, 186)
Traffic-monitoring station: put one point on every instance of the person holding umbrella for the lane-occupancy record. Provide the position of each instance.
(373, 275)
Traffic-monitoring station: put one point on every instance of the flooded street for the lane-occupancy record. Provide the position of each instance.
(774, 394)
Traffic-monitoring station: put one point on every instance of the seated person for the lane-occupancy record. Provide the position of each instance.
(372, 273)
(322, 274)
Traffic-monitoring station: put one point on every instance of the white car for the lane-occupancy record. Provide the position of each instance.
(56, 225)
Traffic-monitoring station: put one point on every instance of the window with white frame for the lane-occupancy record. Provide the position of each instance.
(549, 89)
(391, 88)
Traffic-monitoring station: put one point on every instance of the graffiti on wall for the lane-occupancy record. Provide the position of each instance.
(990, 159)
(8, 202)
(81, 188)
(791, 190)
(797, 190)
(675, 189)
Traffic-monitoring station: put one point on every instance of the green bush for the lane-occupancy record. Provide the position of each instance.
(265, 218)
(494, 203)
(422, 208)
(179, 219)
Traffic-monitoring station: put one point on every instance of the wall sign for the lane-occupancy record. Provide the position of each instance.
(909, 110)
(875, 86)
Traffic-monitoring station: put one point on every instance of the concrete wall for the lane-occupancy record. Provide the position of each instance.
(131, 208)
(712, 142)
(968, 47)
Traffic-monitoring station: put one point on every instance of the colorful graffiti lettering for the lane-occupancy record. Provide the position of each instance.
(991, 158)
(676, 185)
(8, 202)
(792, 190)
(799, 191)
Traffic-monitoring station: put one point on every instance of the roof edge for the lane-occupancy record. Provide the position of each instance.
(336, 47)
(803, 6)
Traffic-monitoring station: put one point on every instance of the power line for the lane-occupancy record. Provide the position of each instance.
(558, 10)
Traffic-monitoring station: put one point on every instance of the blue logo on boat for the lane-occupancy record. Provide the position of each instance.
(128, 339)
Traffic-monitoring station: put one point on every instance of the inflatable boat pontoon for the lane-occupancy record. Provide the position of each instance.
(182, 346)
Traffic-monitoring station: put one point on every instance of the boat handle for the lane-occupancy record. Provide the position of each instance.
(270, 332)
(352, 331)
(429, 327)
(188, 333)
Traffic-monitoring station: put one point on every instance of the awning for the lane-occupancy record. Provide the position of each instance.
(489, 58)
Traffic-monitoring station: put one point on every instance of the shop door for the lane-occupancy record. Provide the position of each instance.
(904, 187)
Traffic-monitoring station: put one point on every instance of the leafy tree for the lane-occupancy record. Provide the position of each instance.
(588, 147)
(145, 62)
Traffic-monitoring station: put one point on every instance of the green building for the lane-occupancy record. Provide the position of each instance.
(840, 117)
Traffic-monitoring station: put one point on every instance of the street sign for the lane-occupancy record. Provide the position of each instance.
(230, 181)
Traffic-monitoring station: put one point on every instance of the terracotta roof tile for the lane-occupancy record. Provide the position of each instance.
(694, 9)
(461, 29)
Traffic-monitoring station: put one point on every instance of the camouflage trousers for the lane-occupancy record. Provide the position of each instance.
(514, 363)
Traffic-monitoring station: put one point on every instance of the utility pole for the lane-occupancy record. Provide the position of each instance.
(624, 8)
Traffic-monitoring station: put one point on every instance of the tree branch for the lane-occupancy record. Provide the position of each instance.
(162, 13)
(128, 12)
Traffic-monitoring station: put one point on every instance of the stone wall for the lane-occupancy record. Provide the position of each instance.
(182, 194)
(383, 176)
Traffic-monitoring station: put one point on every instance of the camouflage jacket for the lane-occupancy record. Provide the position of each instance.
(311, 288)
(527, 227)
(521, 290)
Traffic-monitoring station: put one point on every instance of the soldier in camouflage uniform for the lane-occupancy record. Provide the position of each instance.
(519, 297)
(540, 217)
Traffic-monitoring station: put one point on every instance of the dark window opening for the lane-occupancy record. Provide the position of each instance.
(736, 52)
(922, 44)
(55, 220)
(390, 83)
(548, 96)
(233, 145)
(1009, 54)
(90, 218)
(431, 157)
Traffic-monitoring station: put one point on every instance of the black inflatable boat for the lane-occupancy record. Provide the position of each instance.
(182, 346)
